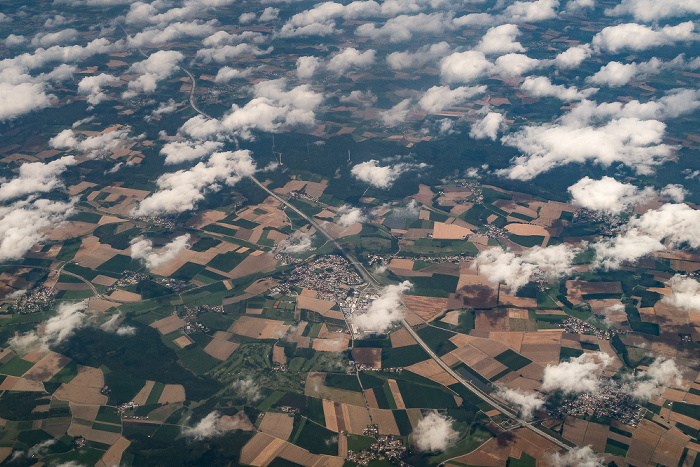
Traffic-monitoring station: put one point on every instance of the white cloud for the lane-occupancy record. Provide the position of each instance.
(49, 39)
(402, 28)
(157, 67)
(177, 152)
(36, 177)
(22, 98)
(462, 67)
(92, 87)
(576, 457)
(572, 57)
(527, 403)
(226, 53)
(69, 316)
(500, 39)
(674, 224)
(358, 97)
(515, 64)
(426, 53)
(526, 11)
(182, 190)
(172, 32)
(22, 223)
(226, 74)
(616, 74)
(384, 311)
(381, 176)
(247, 389)
(541, 86)
(298, 242)
(205, 428)
(608, 195)
(488, 127)
(647, 383)
(635, 36)
(350, 58)
(651, 10)
(438, 98)
(220, 38)
(350, 215)
(434, 433)
(269, 14)
(397, 114)
(517, 270)
(580, 374)
(246, 18)
(685, 293)
(92, 146)
(142, 250)
(307, 66)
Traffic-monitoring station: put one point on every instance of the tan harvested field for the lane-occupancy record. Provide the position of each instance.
(183, 341)
(261, 285)
(576, 288)
(575, 430)
(124, 296)
(445, 231)
(142, 395)
(292, 185)
(428, 308)
(542, 347)
(490, 454)
(279, 425)
(424, 195)
(220, 349)
(527, 230)
(85, 412)
(68, 230)
(401, 338)
(371, 399)
(400, 263)
(329, 415)
(254, 263)
(46, 367)
(315, 388)
(113, 456)
(100, 305)
(92, 253)
(342, 446)
(5, 453)
(513, 340)
(385, 421)
(322, 307)
(355, 418)
(278, 355)
(331, 345)
(72, 286)
(368, 356)
(13, 383)
(670, 447)
(432, 370)
(396, 394)
(260, 450)
(172, 394)
(492, 320)
(259, 328)
(676, 417)
(79, 187)
(452, 317)
(98, 436)
(84, 388)
(169, 324)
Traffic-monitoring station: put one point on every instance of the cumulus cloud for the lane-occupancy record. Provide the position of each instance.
(384, 311)
(635, 36)
(350, 215)
(69, 316)
(36, 177)
(647, 383)
(517, 270)
(500, 39)
(92, 87)
(572, 57)
(181, 191)
(580, 374)
(462, 67)
(48, 39)
(670, 226)
(616, 74)
(226, 74)
(576, 457)
(113, 324)
(159, 66)
(527, 403)
(515, 65)
(298, 242)
(205, 428)
(319, 20)
(307, 66)
(541, 86)
(92, 146)
(403, 27)
(176, 152)
(685, 293)
(381, 176)
(247, 389)
(608, 195)
(526, 11)
(142, 250)
(438, 98)
(397, 114)
(350, 58)
(426, 53)
(358, 97)
(172, 32)
(650, 10)
(225, 53)
(434, 433)
(22, 223)
(488, 126)
(22, 98)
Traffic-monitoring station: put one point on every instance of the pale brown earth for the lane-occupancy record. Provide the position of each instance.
(331, 345)
(259, 328)
(513, 340)
(13, 383)
(432, 370)
(279, 425)
(199, 257)
(254, 263)
(385, 421)
(329, 415)
(400, 263)
(401, 338)
(396, 394)
(92, 253)
(104, 280)
(427, 308)
(371, 399)
(169, 324)
(424, 195)
(124, 296)
(172, 394)
(260, 450)
(575, 429)
(113, 456)
(79, 187)
(239, 421)
(183, 341)
(356, 418)
(5, 453)
(46, 367)
(315, 388)
(68, 230)
(445, 231)
(85, 412)
(261, 286)
(452, 317)
(278, 355)
(368, 356)
(220, 349)
(142, 396)
(84, 388)
(98, 436)
(542, 347)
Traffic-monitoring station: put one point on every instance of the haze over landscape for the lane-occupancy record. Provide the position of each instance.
(399, 232)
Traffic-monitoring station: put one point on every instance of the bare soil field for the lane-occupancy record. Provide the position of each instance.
(449, 231)
(279, 425)
(84, 388)
(431, 370)
(428, 308)
(513, 340)
(169, 324)
(261, 450)
(330, 415)
(46, 367)
(13, 383)
(143, 394)
(315, 388)
(183, 341)
(575, 430)
(85, 412)
(396, 394)
(221, 349)
(259, 328)
(254, 263)
(331, 345)
(400, 263)
(124, 296)
(98, 436)
(172, 394)
(385, 421)
(113, 456)
(355, 418)
(368, 356)
(424, 195)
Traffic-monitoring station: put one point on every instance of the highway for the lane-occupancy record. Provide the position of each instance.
(370, 280)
